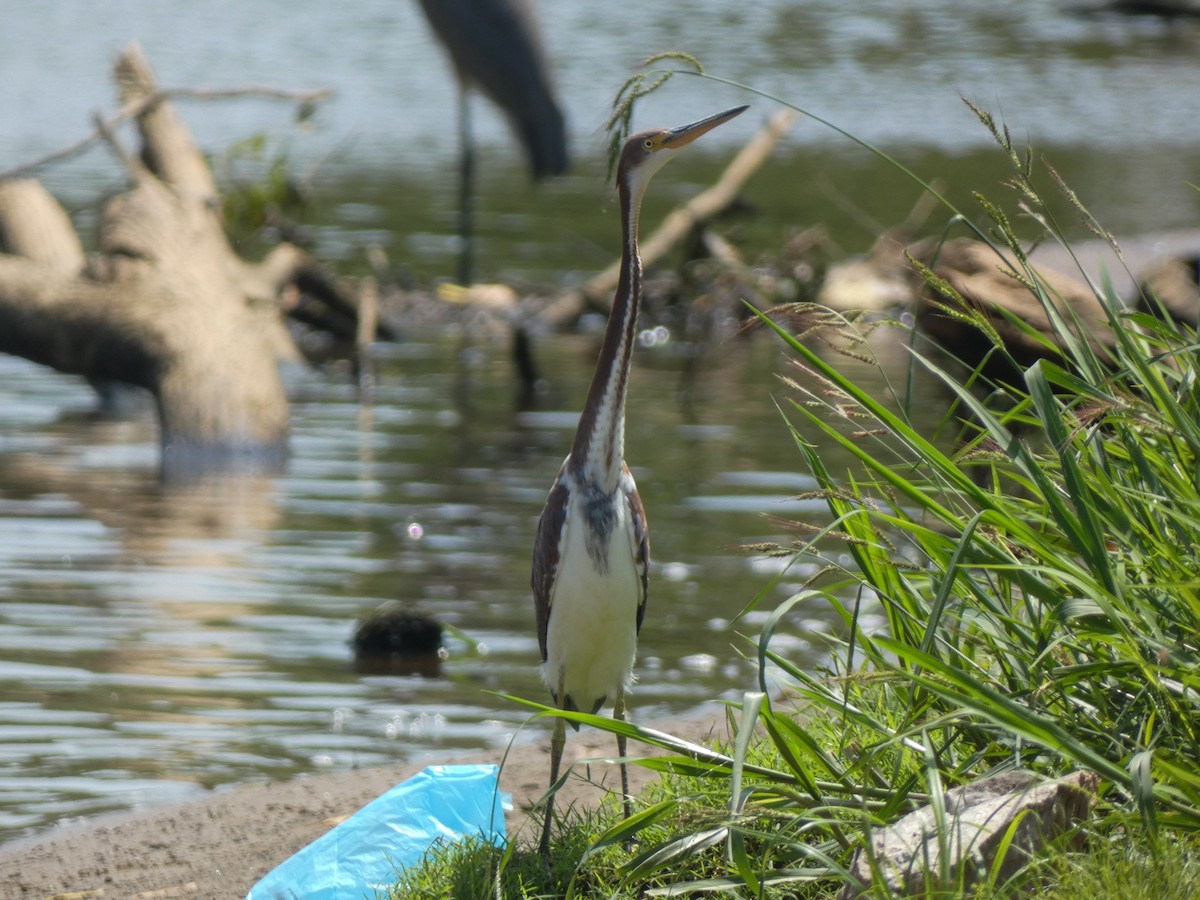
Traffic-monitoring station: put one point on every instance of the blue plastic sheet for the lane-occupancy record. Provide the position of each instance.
(363, 854)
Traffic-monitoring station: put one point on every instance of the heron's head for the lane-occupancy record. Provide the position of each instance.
(648, 151)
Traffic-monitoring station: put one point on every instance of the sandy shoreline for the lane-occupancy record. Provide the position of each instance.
(220, 845)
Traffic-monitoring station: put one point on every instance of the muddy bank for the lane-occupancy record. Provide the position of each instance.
(219, 846)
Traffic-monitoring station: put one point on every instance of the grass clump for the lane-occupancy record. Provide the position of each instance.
(472, 869)
(1039, 581)
(1169, 870)
(682, 830)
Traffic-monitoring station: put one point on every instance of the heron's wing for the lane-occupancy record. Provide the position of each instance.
(547, 549)
(641, 541)
(496, 46)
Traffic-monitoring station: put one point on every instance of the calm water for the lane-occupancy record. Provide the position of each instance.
(1113, 101)
(156, 642)
(887, 71)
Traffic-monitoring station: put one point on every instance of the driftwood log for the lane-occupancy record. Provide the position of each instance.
(165, 303)
(985, 280)
(1171, 287)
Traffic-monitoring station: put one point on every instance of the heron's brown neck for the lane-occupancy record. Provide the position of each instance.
(597, 454)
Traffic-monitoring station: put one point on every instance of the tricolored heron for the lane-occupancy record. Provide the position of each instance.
(591, 557)
(495, 46)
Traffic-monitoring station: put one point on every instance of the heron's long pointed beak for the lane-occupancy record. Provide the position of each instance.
(685, 134)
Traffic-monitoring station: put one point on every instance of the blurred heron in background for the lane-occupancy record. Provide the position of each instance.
(496, 48)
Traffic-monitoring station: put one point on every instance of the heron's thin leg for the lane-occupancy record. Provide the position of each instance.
(619, 714)
(556, 749)
(466, 190)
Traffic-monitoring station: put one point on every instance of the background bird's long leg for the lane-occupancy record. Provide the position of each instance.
(619, 714)
(556, 750)
(466, 190)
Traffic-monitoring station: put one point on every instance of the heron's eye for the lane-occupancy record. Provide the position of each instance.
(648, 143)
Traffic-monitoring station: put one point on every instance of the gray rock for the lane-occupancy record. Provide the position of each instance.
(908, 854)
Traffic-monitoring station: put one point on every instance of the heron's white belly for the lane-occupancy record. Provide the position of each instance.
(591, 638)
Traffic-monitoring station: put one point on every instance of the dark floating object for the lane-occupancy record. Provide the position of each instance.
(398, 639)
